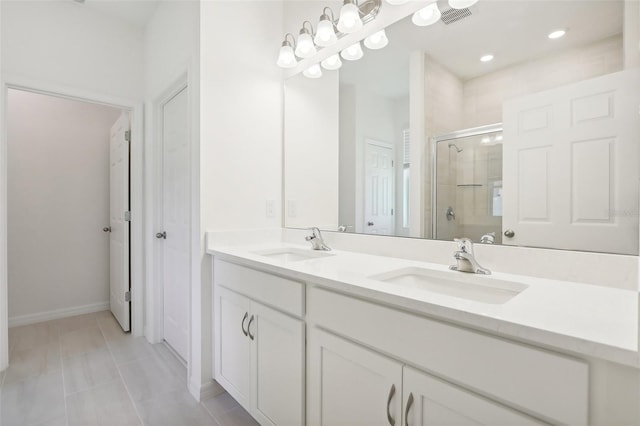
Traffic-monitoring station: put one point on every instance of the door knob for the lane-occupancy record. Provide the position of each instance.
(509, 233)
(106, 229)
(369, 223)
(162, 235)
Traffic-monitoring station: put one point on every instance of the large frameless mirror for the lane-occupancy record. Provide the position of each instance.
(482, 125)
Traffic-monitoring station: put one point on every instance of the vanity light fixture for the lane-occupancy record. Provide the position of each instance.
(461, 4)
(427, 15)
(350, 20)
(377, 40)
(353, 15)
(333, 62)
(305, 47)
(287, 58)
(314, 71)
(557, 34)
(353, 52)
(487, 58)
(325, 32)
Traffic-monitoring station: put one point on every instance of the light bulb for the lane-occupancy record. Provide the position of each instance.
(314, 71)
(427, 15)
(305, 47)
(353, 52)
(462, 4)
(333, 62)
(376, 40)
(286, 58)
(349, 21)
(325, 35)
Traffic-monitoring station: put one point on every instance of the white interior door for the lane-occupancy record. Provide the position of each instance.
(118, 208)
(379, 189)
(175, 214)
(570, 166)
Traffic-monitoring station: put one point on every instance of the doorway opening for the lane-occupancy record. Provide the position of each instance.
(68, 207)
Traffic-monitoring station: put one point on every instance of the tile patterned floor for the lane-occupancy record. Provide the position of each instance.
(85, 371)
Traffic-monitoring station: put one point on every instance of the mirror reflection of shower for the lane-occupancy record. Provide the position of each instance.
(467, 185)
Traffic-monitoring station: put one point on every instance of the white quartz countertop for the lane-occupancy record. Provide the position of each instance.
(585, 319)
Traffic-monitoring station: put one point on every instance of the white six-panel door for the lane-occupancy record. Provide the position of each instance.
(119, 236)
(175, 212)
(570, 165)
(379, 189)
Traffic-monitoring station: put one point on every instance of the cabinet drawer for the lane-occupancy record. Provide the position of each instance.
(281, 293)
(534, 380)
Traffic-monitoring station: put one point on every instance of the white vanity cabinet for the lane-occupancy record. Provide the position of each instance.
(260, 350)
(352, 385)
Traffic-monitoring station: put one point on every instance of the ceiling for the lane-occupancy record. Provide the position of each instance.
(514, 31)
(136, 12)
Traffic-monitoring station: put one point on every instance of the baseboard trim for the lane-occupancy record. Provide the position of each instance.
(205, 391)
(57, 314)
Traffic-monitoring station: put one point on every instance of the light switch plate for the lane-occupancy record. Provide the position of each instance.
(271, 208)
(292, 208)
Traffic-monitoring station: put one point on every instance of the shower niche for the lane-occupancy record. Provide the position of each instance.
(467, 184)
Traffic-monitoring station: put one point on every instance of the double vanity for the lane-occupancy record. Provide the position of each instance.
(338, 337)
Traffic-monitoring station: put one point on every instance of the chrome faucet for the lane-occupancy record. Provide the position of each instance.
(317, 243)
(466, 261)
(488, 238)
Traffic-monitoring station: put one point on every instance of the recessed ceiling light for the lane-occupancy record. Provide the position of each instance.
(486, 58)
(557, 34)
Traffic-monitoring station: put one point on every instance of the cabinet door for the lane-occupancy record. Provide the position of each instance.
(429, 401)
(277, 363)
(351, 385)
(233, 355)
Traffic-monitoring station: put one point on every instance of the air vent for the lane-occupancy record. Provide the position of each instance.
(450, 16)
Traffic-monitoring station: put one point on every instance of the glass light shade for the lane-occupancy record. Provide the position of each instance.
(376, 40)
(462, 4)
(353, 52)
(286, 58)
(333, 62)
(325, 35)
(427, 15)
(396, 2)
(349, 21)
(314, 71)
(305, 47)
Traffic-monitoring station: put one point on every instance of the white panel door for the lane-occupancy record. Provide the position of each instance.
(351, 385)
(175, 215)
(379, 189)
(234, 346)
(278, 367)
(570, 165)
(432, 402)
(119, 236)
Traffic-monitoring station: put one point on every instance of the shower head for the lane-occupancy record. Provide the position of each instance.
(456, 147)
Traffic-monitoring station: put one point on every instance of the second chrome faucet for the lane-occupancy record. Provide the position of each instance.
(465, 258)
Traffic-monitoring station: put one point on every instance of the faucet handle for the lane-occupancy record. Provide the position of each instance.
(464, 244)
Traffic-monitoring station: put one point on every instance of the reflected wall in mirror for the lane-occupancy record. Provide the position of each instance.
(404, 141)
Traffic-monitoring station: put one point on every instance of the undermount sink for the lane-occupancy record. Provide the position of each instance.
(474, 287)
(291, 254)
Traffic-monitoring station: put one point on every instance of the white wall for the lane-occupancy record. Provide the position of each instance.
(171, 55)
(58, 194)
(240, 130)
(63, 43)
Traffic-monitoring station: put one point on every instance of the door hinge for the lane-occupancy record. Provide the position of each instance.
(127, 296)
(127, 135)
(127, 216)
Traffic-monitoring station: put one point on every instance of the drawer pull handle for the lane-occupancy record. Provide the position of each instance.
(406, 410)
(251, 336)
(392, 392)
(244, 318)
